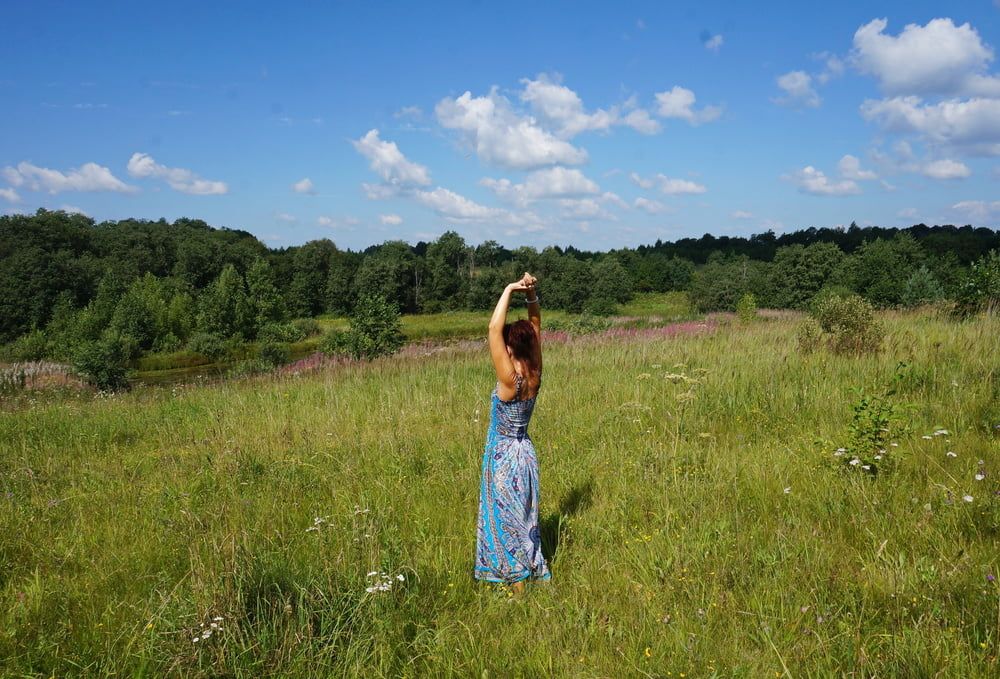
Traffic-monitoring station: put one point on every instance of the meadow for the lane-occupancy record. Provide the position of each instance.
(698, 519)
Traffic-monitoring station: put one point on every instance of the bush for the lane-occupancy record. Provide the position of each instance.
(274, 353)
(281, 332)
(376, 330)
(600, 304)
(580, 325)
(851, 324)
(336, 343)
(32, 346)
(809, 335)
(309, 327)
(746, 308)
(104, 363)
(208, 344)
(922, 288)
(981, 288)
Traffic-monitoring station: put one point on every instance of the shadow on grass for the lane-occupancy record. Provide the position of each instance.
(551, 528)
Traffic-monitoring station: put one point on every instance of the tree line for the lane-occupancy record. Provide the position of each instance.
(163, 286)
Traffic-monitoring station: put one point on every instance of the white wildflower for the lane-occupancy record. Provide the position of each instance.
(878, 457)
(951, 453)
(866, 467)
(928, 438)
(788, 490)
(980, 476)
(894, 444)
(967, 498)
(855, 462)
(941, 432)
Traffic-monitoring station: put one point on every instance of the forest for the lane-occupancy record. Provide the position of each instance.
(158, 286)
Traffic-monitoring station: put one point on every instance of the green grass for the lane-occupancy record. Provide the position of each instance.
(127, 522)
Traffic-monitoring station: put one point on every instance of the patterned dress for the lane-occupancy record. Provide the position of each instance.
(508, 544)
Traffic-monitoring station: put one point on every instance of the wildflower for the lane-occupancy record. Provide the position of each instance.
(951, 453)
(643, 376)
(980, 476)
(788, 490)
(878, 457)
(647, 652)
(855, 462)
(967, 498)
(942, 432)
(928, 438)
(866, 467)
(990, 578)
(894, 444)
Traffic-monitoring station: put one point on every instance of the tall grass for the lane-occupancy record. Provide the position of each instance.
(695, 516)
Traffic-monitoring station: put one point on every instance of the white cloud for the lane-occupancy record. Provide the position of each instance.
(614, 199)
(73, 210)
(386, 160)
(554, 182)
(908, 213)
(285, 217)
(391, 220)
(454, 206)
(653, 207)
(973, 124)
(833, 67)
(337, 222)
(304, 186)
(850, 168)
(562, 108)
(798, 89)
(714, 43)
(938, 58)
(10, 195)
(584, 209)
(979, 210)
(179, 179)
(678, 102)
(946, 169)
(741, 214)
(502, 137)
(811, 180)
(640, 121)
(408, 112)
(87, 177)
(667, 185)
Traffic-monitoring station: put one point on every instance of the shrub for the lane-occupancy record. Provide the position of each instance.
(103, 363)
(851, 324)
(580, 325)
(309, 327)
(32, 346)
(281, 332)
(981, 288)
(274, 353)
(336, 343)
(746, 308)
(376, 330)
(921, 288)
(208, 344)
(809, 335)
(600, 304)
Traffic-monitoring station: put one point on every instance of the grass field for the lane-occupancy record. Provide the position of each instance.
(697, 520)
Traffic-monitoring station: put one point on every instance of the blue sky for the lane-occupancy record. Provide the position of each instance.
(577, 123)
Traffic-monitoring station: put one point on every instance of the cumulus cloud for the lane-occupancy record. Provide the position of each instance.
(502, 137)
(583, 209)
(833, 67)
(811, 180)
(87, 177)
(337, 222)
(973, 124)
(979, 210)
(457, 207)
(304, 186)
(938, 58)
(554, 182)
(562, 109)
(387, 161)
(142, 165)
(667, 184)
(798, 89)
(408, 112)
(391, 219)
(10, 195)
(678, 102)
(850, 168)
(714, 43)
(640, 121)
(653, 207)
(946, 169)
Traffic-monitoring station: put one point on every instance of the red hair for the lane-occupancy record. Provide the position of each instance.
(520, 337)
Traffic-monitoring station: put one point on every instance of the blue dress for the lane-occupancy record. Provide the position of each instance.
(508, 543)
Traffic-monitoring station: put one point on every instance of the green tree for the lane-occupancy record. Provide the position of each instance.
(311, 269)
(390, 271)
(224, 309)
(447, 264)
(921, 287)
(799, 272)
(264, 302)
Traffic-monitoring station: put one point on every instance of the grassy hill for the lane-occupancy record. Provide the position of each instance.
(696, 515)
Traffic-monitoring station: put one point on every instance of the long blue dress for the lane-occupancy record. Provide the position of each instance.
(508, 543)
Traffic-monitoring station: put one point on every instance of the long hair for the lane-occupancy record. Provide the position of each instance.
(520, 337)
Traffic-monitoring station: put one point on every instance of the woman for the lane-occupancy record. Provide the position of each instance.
(508, 544)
